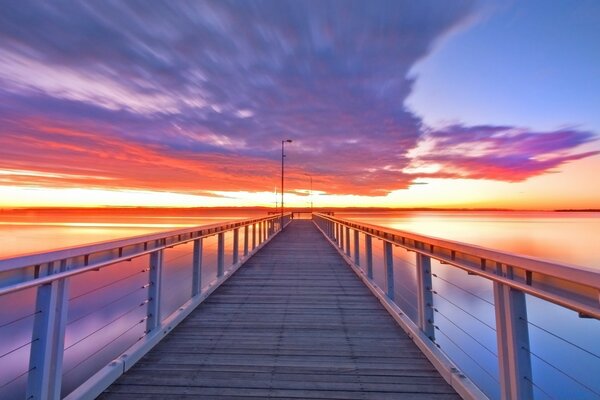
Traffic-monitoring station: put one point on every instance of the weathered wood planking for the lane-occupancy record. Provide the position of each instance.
(294, 322)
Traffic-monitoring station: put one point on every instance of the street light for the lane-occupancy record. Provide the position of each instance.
(311, 192)
(283, 142)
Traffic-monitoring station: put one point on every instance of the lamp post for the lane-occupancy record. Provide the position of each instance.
(311, 193)
(283, 142)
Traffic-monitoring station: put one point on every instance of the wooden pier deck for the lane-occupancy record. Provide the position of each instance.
(293, 322)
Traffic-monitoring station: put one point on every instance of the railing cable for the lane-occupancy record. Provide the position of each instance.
(466, 333)
(563, 339)
(467, 354)
(19, 319)
(539, 388)
(108, 304)
(464, 290)
(105, 346)
(5, 384)
(109, 284)
(18, 348)
(463, 310)
(107, 324)
(561, 371)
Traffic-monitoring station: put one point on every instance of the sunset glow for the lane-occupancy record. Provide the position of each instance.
(186, 106)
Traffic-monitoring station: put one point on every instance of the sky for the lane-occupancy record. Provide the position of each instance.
(388, 103)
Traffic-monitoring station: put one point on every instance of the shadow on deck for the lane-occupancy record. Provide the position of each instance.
(293, 322)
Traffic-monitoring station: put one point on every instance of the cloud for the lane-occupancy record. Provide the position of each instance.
(499, 152)
(196, 96)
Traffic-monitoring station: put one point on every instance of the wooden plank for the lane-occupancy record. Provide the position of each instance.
(293, 322)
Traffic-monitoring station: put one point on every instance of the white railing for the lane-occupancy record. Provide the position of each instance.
(73, 320)
(467, 323)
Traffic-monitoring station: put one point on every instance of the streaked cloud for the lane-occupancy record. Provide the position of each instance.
(196, 96)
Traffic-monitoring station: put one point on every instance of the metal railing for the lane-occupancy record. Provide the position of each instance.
(475, 327)
(139, 289)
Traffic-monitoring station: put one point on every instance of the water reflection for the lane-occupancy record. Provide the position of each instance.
(106, 311)
(564, 350)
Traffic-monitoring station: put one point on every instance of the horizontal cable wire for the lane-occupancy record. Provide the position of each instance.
(468, 355)
(18, 348)
(107, 324)
(406, 301)
(463, 310)
(106, 345)
(108, 304)
(405, 286)
(109, 284)
(187, 254)
(16, 378)
(466, 333)
(464, 290)
(539, 388)
(563, 339)
(19, 319)
(561, 371)
(404, 261)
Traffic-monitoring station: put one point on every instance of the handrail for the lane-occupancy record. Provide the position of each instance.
(512, 275)
(50, 273)
(454, 253)
(44, 257)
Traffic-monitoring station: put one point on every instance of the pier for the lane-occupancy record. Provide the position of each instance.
(277, 307)
(294, 322)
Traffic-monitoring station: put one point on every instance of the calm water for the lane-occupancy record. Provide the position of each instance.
(36, 232)
(465, 317)
(569, 237)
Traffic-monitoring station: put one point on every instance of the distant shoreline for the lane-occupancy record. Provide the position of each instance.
(194, 210)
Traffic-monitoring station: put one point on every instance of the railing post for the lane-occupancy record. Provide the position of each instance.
(253, 236)
(513, 339)
(197, 268)
(246, 231)
(154, 290)
(336, 235)
(48, 337)
(236, 239)
(356, 247)
(369, 255)
(388, 262)
(341, 236)
(347, 236)
(425, 296)
(220, 254)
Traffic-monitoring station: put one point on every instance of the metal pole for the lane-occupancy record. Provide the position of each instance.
(154, 290)
(311, 195)
(246, 231)
(282, 171)
(356, 248)
(47, 346)
(512, 336)
(197, 268)
(369, 255)
(220, 255)
(347, 236)
(388, 262)
(236, 239)
(425, 295)
(282, 174)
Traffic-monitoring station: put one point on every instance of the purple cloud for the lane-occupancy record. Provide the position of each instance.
(228, 80)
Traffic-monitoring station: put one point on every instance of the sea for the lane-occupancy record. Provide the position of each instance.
(564, 349)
